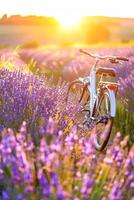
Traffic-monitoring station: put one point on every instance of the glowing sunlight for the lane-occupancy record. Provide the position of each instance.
(68, 22)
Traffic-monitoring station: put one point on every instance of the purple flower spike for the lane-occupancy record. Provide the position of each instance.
(5, 195)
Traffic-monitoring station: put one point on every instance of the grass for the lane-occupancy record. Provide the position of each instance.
(124, 122)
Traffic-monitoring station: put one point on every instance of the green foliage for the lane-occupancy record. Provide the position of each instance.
(31, 66)
(7, 172)
(124, 122)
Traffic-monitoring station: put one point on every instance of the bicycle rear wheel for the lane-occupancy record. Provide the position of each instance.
(103, 127)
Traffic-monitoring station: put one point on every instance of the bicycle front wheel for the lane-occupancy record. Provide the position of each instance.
(77, 93)
(105, 114)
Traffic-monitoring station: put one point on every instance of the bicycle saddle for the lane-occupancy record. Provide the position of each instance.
(106, 71)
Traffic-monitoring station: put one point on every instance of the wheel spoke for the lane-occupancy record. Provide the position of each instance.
(104, 121)
(77, 92)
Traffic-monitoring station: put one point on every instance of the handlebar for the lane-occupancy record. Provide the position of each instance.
(112, 59)
(123, 58)
(87, 53)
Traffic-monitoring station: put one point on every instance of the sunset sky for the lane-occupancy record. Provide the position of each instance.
(77, 8)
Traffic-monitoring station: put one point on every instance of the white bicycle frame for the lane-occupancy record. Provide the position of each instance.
(92, 88)
(93, 92)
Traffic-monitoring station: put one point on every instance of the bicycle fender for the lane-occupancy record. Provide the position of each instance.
(112, 101)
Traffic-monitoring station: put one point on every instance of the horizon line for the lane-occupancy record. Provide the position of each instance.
(37, 15)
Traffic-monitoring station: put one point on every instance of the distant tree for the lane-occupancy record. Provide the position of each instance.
(4, 17)
(29, 20)
(30, 44)
(96, 32)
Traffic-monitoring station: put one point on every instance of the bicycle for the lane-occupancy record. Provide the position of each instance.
(98, 99)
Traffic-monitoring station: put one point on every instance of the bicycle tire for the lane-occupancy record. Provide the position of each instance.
(77, 89)
(102, 135)
(77, 92)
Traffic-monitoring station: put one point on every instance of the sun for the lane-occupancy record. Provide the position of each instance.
(68, 21)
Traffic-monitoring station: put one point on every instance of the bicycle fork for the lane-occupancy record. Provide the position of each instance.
(92, 90)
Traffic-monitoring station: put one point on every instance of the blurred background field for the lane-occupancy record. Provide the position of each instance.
(33, 31)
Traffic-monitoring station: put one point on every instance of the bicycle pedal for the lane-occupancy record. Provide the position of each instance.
(88, 124)
(102, 119)
(84, 110)
(92, 118)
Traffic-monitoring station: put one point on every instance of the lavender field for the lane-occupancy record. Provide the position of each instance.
(43, 153)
